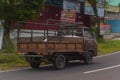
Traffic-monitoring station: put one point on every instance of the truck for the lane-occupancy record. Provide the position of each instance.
(57, 45)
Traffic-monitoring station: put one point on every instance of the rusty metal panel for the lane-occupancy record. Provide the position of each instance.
(23, 46)
(71, 46)
(42, 46)
(51, 46)
(32, 46)
(61, 46)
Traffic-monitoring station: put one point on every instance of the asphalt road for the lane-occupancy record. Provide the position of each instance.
(103, 68)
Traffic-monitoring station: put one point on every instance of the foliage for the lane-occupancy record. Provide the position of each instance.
(11, 61)
(95, 30)
(20, 9)
(17, 10)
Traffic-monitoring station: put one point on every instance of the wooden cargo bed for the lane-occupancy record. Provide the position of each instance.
(53, 44)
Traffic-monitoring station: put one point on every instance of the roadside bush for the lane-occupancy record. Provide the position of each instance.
(10, 58)
(11, 61)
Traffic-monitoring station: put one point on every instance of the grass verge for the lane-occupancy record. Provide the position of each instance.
(8, 62)
(108, 46)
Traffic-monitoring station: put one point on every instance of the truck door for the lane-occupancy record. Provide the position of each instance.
(89, 41)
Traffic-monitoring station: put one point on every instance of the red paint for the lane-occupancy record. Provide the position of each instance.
(54, 13)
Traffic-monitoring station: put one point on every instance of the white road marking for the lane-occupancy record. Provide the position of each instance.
(102, 69)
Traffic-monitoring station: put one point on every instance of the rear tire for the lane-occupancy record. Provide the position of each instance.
(88, 59)
(34, 65)
(59, 62)
(34, 62)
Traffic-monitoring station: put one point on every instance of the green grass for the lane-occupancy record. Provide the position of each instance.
(8, 62)
(108, 46)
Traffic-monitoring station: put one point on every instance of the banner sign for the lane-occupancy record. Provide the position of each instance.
(70, 8)
(68, 16)
(71, 5)
(112, 8)
(104, 29)
(100, 12)
(89, 9)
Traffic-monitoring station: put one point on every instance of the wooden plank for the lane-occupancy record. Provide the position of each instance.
(60, 46)
(32, 46)
(23, 46)
(42, 46)
(66, 45)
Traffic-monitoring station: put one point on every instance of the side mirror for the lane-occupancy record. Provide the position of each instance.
(93, 34)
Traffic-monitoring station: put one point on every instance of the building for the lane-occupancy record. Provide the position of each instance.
(55, 9)
(113, 18)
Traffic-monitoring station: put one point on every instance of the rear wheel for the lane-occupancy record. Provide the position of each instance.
(88, 59)
(34, 65)
(59, 62)
(34, 62)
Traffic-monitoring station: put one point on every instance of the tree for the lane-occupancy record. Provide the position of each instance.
(17, 10)
(97, 18)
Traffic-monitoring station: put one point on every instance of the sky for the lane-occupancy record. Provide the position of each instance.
(114, 2)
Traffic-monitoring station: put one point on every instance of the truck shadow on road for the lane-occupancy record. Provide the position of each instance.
(77, 65)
